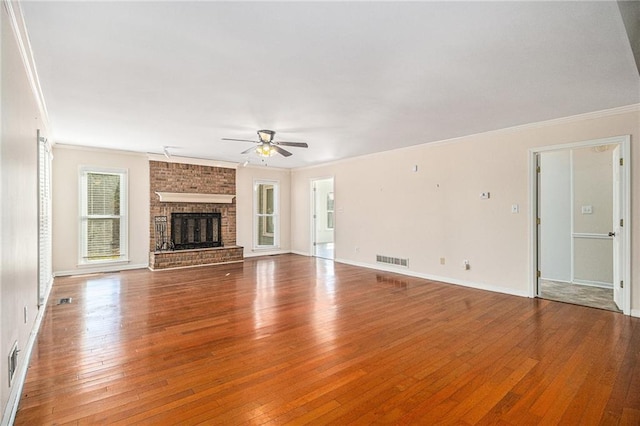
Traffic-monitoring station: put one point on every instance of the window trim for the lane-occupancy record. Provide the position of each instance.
(257, 217)
(83, 171)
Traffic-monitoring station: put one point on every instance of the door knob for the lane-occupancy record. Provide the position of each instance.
(612, 234)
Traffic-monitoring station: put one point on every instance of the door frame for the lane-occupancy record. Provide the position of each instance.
(624, 142)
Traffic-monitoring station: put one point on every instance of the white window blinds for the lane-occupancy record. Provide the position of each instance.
(44, 219)
(104, 216)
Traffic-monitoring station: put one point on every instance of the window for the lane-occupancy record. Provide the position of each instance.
(103, 218)
(45, 275)
(330, 210)
(266, 208)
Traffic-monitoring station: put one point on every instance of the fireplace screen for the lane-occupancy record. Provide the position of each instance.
(196, 230)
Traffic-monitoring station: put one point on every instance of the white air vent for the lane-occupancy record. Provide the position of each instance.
(392, 260)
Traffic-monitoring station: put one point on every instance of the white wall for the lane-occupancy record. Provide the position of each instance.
(66, 163)
(437, 211)
(245, 177)
(555, 215)
(593, 186)
(21, 119)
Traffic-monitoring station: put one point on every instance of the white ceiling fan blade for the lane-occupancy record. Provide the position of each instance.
(239, 140)
(283, 152)
(297, 144)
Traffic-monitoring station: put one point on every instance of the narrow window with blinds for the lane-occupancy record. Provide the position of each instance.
(45, 275)
(103, 221)
(267, 232)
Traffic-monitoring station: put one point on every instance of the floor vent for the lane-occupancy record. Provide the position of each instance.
(392, 260)
(64, 301)
(13, 361)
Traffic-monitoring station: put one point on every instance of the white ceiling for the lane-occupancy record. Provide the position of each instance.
(348, 78)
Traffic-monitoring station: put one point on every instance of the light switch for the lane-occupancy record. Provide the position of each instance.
(484, 195)
(515, 208)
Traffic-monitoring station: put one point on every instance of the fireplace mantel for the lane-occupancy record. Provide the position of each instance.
(193, 197)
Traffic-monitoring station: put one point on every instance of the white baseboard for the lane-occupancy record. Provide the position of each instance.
(11, 408)
(556, 280)
(598, 284)
(446, 280)
(265, 253)
(635, 313)
(270, 253)
(100, 269)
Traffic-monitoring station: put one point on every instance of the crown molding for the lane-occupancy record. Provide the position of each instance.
(539, 124)
(191, 160)
(578, 117)
(548, 123)
(97, 149)
(263, 167)
(19, 29)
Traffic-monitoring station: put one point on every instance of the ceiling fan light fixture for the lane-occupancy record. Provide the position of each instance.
(265, 149)
(266, 136)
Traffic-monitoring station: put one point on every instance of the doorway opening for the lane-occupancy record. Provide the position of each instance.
(323, 218)
(580, 198)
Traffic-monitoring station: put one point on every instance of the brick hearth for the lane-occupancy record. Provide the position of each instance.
(196, 257)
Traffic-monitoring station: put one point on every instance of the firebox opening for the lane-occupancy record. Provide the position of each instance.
(196, 230)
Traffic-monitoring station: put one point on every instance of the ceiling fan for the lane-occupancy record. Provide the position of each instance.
(267, 147)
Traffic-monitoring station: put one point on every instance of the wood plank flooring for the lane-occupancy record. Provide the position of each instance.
(294, 340)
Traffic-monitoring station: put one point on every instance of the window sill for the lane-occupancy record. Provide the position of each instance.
(266, 248)
(103, 262)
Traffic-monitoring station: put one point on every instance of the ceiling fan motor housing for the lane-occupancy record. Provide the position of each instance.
(266, 136)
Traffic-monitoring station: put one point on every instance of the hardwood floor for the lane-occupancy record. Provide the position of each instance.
(293, 339)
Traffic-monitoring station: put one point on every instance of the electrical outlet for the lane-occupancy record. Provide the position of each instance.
(357, 249)
(515, 208)
(485, 195)
(465, 265)
(442, 260)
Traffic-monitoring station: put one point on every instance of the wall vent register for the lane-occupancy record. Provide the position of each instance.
(392, 260)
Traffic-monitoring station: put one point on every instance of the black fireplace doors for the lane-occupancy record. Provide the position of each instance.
(196, 230)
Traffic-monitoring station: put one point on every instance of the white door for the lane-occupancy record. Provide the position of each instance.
(616, 231)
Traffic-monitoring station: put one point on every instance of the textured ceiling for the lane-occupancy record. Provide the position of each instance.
(348, 78)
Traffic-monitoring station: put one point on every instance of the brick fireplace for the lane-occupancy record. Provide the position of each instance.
(191, 191)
